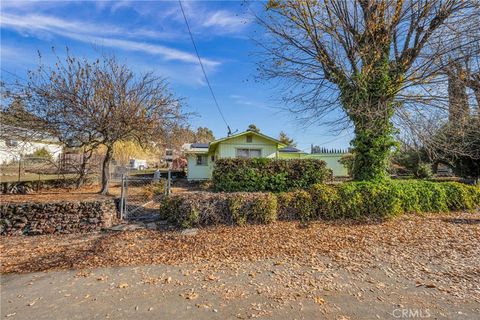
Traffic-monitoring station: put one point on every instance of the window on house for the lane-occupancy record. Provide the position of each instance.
(202, 160)
(249, 153)
(249, 139)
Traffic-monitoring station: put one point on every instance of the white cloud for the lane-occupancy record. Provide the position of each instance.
(205, 21)
(225, 19)
(97, 33)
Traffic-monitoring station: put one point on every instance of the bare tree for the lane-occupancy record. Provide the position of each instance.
(451, 136)
(368, 59)
(91, 104)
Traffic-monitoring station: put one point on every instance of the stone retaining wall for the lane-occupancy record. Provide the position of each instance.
(57, 217)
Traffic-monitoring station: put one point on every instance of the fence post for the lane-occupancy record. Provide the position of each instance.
(169, 175)
(122, 198)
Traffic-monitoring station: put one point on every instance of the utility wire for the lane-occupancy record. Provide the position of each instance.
(203, 69)
(13, 74)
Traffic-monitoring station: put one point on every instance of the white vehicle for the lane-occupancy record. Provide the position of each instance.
(138, 164)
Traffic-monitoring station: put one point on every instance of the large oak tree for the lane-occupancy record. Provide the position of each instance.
(363, 59)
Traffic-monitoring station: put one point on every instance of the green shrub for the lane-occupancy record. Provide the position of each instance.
(355, 200)
(461, 197)
(326, 200)
(180, 213)
(285, 212)
(263, 209)
(373, 199)
(385, 199)
(154, 189)
(424, 171)
(421, 196)
(262, 174)
(297, 205)
(236, 206)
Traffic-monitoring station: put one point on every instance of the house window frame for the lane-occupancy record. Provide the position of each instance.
(203, 160)
(249, 149)
(249, 139)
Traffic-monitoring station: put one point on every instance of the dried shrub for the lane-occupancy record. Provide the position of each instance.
(154, 189)
(207, 208)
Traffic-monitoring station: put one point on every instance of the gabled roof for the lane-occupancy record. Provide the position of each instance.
(214, 143)
(208, 147)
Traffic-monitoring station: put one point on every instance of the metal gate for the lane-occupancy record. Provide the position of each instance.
(141, 195)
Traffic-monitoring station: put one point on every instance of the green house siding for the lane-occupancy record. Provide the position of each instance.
(330, 159)
(291, 155)
(228, 148)
(199, 172)
(332, 162)
(269, 148)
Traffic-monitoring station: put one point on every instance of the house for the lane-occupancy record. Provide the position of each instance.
(18, 139)
(248, 144)
(17, 142)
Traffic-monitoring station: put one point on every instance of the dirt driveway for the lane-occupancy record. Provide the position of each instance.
(407, 268)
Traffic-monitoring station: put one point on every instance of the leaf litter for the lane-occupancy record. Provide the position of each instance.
(435, 252)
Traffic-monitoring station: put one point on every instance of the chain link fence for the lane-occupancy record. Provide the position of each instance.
(141, 196)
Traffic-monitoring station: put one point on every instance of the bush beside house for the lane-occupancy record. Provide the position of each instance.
(355, 200)
(264, 174)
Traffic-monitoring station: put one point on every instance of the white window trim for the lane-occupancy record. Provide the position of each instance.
(201, 155)
(236, 152)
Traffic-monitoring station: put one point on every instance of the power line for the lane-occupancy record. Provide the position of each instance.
(203, 69)
(13, 74)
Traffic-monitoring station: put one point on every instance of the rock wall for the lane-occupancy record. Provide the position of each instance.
(56, 217)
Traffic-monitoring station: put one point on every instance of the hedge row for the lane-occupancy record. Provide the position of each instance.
(347, 200)
(262, 174)
(370, 199)
(206, 208)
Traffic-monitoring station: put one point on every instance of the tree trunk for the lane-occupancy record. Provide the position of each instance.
(476, 91)
(106, 169)
(82, 174)
(369, 103)
(372, 147)
(458, 108)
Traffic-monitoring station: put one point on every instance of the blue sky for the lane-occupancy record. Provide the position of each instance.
(152, 36)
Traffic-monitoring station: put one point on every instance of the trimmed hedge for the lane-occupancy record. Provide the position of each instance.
(262, 174)
(347, 200)
(207, 208)
(373, 199)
